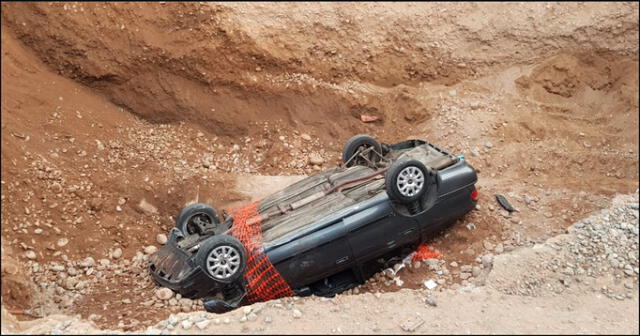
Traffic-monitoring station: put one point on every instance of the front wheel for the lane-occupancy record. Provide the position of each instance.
(197, 218)
(222, 258)
(361, 150)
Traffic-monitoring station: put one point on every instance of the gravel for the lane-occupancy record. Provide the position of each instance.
(164, 293)
(603, 245)
(30, 255)
(187, 324)
(117, 253)
(487, 260)
(150, 249)
(161, 238)
(431, 301)
(202, 324)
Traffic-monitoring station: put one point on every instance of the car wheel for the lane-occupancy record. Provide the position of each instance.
(196, 218)
(222, 258)
(406, 180)
(361, 142)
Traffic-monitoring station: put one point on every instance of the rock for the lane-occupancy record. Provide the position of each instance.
(488, 144)
(466, 268)
(389, 273)
(453, 264)
(488, 245)
(268, 319)
(87, 262)
(487, 260)
(117, 253)
(62, 242)
(164, 293)
(202, 324)
(476, 271)
(30, 255)
(305, 137)
(297, 313)
(416, 264)
(173, 319)
(187, 324)
(147, 207)
(465, 276)
(252, 317)
(150, 249)
(315, 159)
(431, 301)
(499, 248)
(161, 238)
(471, 226)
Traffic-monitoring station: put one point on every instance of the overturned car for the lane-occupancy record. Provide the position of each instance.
(322, 235)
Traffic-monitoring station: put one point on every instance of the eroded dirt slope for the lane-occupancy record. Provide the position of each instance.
(114, 116)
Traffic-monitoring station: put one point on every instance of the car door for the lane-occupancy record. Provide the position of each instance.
(314, 256)
(378, 230)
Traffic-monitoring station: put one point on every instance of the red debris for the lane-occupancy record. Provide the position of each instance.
(426, 252)
(368, 118)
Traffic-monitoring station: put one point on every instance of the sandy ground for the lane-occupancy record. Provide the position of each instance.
(110, 126)
(581, 309)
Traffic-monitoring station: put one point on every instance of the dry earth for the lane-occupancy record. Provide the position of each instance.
(115, 115)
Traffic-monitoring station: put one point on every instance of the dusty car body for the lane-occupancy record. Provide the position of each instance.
(324, 234)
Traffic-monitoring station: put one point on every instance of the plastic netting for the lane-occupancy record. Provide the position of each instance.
(264, 282)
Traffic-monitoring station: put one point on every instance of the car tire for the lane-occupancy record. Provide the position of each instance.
(406, 180)
(187, 221)
(222, 258)
(352, 146)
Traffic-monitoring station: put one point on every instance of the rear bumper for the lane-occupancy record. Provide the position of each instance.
(176, 269)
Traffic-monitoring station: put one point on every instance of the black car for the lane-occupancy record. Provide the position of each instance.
(322, 235)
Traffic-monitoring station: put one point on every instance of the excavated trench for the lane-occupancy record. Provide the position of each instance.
(111, 126)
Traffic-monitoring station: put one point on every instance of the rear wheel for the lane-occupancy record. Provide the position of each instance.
(197, 218)
(406, 180)
(222, 258)
(361, 150)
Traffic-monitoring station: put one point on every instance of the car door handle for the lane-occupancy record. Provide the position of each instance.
(341, 260)
(391, 243)
(408, 232)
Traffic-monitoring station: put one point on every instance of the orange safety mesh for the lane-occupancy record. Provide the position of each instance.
(426, 252)
(264, 282)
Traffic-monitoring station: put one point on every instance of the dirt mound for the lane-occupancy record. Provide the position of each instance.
(571, 75)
